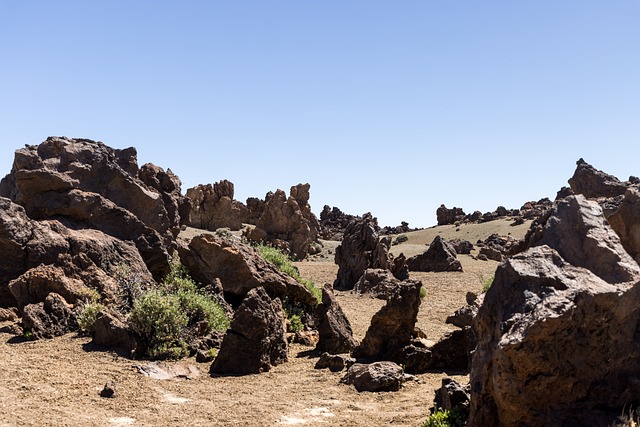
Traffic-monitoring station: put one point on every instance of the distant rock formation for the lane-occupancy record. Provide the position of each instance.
(288, 223)
(441, 256)
(214, 207)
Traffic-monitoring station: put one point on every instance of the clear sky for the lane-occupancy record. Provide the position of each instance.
(392, 107)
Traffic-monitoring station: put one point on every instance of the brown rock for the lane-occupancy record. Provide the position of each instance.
(34, 286)
(110, 331)
(214, 207)
(449, 216)
(256, 340)
(48, 319)
(334, 362)
(441, 256)
(593, 183)
(391, 327)
(354, 255)
(557, 329)
(626, 222)
(334, 328)
(378, 376)
(239, 268)
(168, 184)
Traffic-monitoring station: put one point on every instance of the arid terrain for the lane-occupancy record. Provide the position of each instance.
(57, 381)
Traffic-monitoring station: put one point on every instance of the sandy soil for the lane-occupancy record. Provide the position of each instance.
(57, 382)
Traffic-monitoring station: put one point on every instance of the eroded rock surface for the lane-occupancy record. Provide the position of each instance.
(334, 327)
(441, 256)
(213, 207)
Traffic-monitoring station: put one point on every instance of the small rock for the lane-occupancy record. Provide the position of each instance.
(109, 390)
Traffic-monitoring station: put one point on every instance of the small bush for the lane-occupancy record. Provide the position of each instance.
(423, 293)
(283, 263)
(486, 284)
(295, 323)
(401, 238)
(88, 314)
(457, 417)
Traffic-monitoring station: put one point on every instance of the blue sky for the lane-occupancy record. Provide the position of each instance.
(388, 107)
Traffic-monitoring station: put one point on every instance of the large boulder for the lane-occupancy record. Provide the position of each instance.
(557, 330)
(89, 185)
(288, 221)
(51, 318)
(169, 186)
(441, 256)
(45, 256)
(256, 339)
(334, 328)
(392, 327)
(593, 183)
(375, 377)
(240, 268)
(447, 216)
(214, 207)
(626, 222)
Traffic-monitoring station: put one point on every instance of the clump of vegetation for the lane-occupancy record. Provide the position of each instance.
(283, 263)
(456, 417)
(423, 292)
(167, 316)
(400, 238)
(88, 314)
(632, 419)
(486, 283)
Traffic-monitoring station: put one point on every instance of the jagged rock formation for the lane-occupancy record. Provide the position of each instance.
(87, 185)
(214, 207)
(558, 328)
(334, 328)
(256, 339)
(593, 183)
(441, 256)
(288, 223)
(447, 216)
(239, 268)
(377, 376)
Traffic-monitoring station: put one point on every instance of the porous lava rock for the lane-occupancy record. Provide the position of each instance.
(441, 256)
(50, 318)
(557, 331)
(334, 327)
(239, 268)
(256, 339)
(213, 207)
(375, 377)
(392, 327)
(288, 221)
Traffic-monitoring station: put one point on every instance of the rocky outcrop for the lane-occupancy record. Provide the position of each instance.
(392, 327)
(334, 328)
(239, 268)
(170, 188)
(334, 362)
(375, 377)
(256, 339)
(86, 184)
(333, 222)
(452, 395)
(361, 249)
(593, 183)
(626, 222)
(214, 207)
(288, 223)
(558, 327)
(51, 318)
(496, 247)
(441, 256)
(45, 256)
(447, 216)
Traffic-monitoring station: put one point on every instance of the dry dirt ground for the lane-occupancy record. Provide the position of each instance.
(57, 382)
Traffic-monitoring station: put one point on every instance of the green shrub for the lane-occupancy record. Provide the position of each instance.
(295, 323)
(283, 263)
(166, 317)
(423, 293)
(457, 417)
(88, 314)
(400, 238)
(486, 284)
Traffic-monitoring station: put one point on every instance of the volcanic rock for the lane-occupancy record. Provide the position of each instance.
(449, 216)
(441, 256)
(626, 222)
(593, 183)
(334, 328)
(378, 376)
(558, 327)
(214, 207)
(334, 362)
(48, 319)
(239, 268)
(256, 339)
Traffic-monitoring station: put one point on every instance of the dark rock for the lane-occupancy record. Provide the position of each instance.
(491, 253)
(461, 246)
(354, 255)
(564, 192)
(110, 331)
(449, 216)
(593, 183)
(334, 328)
(441, 256)
(378, 376)
(334, 362)
(34, 286)
(109, 390)
(334, 222)
(452, 395)
(392, 327)
(8, 315)
(48, 319)
(256, 339)
(626, 222)
(558, 328)
(169, 186)
(451, 352)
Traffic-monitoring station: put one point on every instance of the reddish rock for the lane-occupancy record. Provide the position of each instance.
(214, 207)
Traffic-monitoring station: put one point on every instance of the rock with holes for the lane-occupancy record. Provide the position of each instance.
(48, 319)
(213, 207)
(256, 339)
